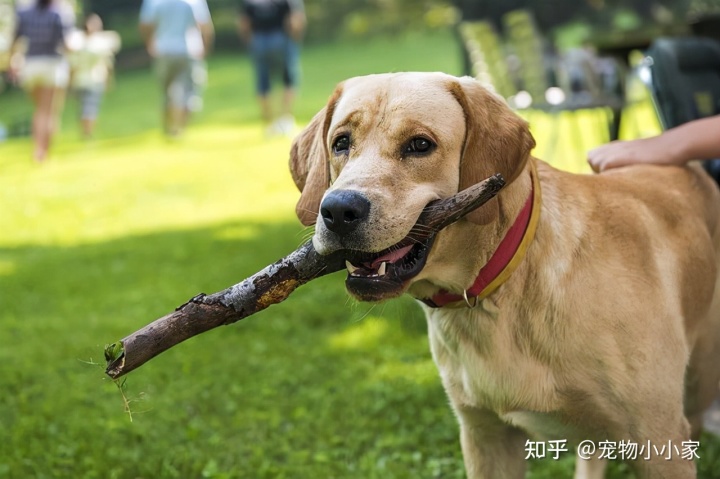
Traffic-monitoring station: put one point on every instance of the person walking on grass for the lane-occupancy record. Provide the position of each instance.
(91, 63)
(272, 29)
(178, 35)
(43, 70)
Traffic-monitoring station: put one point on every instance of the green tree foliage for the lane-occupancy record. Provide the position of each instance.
(340, 18)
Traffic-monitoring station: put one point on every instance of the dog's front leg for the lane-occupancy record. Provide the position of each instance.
(491, 448)
(590, 468)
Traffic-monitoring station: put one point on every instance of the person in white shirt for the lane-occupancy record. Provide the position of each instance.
(178, 35)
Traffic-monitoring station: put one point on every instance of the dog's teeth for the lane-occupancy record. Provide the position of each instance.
(382, 268)
(351, 269)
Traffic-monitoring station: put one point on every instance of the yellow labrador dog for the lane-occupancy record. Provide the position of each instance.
(570, 307)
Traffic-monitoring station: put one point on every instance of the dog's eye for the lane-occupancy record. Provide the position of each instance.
(341, 144)
(419, 145)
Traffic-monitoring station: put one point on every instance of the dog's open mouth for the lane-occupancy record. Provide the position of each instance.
(386, 274)
(383, 275)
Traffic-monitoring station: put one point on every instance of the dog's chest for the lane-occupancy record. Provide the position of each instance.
(482, 366)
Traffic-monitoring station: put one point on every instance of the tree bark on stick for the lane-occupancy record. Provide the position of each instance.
(270, 286)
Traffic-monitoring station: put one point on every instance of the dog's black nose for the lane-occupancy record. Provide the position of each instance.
(343, 210)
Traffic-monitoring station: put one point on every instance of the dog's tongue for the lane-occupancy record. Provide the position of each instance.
(392, 256)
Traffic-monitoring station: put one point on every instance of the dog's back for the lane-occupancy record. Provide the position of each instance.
(685, 204)
(644, 242)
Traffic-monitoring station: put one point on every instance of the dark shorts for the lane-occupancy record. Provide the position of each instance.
(182, 80)
(273, 53)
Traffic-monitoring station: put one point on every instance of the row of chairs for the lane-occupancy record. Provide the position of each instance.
(523, 68)
(678, 78)
(683, 77)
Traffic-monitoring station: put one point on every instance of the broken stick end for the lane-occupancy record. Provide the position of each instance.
(115, 357)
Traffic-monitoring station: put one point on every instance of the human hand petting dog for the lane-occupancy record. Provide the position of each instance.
(657, 150)
(699, 139)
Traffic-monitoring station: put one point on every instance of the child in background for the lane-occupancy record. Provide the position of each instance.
(91, 63)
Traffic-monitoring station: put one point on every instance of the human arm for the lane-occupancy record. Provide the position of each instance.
(147, 31)
(695, 140)
(207, 30)
(206, 27)
(16, 51)
(244, 28)
(16, 62)
(147, 26)
(296, 21)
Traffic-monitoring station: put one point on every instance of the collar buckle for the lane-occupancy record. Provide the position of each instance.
(467, 301)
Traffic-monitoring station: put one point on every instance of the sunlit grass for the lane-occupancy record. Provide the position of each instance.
(147, 184)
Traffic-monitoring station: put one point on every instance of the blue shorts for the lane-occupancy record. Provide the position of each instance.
(90, 99)
(274, 52)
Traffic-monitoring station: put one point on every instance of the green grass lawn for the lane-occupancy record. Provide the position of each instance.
(111, 234)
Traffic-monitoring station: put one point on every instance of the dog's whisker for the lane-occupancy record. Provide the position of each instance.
(306, 234)
(422, 231)
(306, 237)
(367, 313)
(308, 210)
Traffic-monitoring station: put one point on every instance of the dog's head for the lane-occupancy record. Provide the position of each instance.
(381, 150)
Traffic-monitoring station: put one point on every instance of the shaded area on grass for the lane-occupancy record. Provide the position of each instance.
(318, 386)
(290, 392)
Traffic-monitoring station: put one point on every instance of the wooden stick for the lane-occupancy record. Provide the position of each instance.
(270, 286)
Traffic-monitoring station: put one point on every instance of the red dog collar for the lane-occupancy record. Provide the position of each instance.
(505, 259)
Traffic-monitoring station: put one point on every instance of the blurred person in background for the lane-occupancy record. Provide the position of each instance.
(38, 63)
(91, 65)
(178, 35)
(272, 30)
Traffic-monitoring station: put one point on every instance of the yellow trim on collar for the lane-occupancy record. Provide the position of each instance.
(522, 247)
(524, 244)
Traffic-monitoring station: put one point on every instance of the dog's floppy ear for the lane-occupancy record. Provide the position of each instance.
(309, 168)
(309, 163)
(496, 141)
